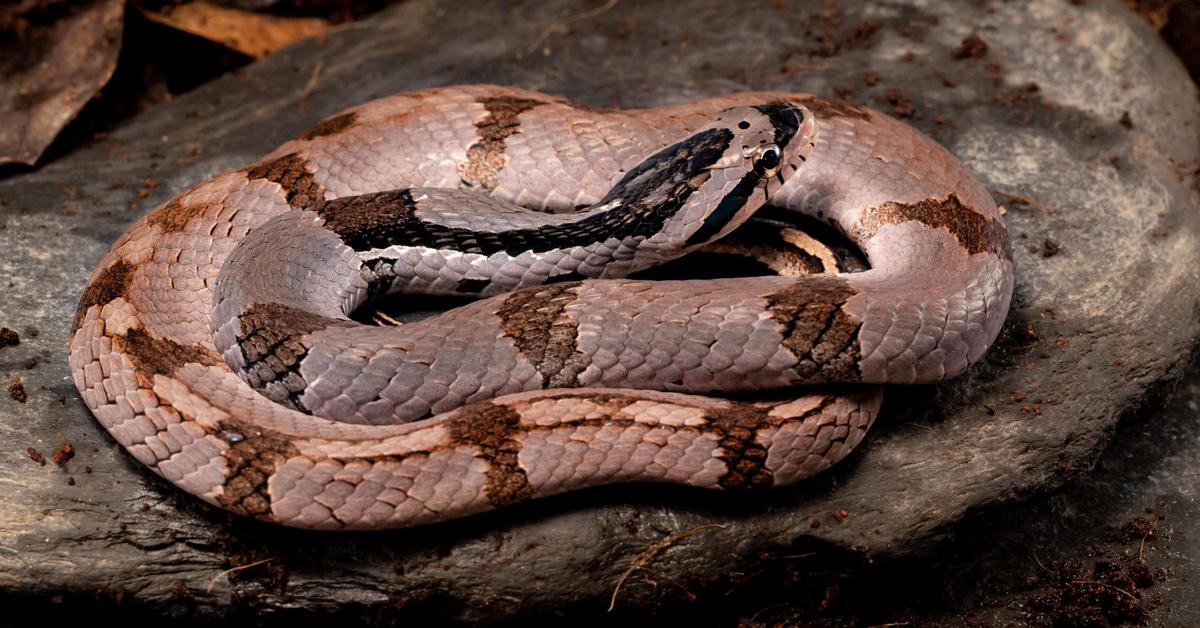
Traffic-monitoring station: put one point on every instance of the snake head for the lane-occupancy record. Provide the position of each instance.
(704, 186)
(770, 142)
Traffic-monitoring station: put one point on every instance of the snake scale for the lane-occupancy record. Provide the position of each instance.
(214, 342)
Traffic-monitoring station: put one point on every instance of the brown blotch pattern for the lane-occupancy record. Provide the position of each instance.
(270, 337)
(249, 463)
(492, 429)
(151, 355)
(485, 158)
(745, 458)
(175, 215)
(822, 107)
(536, 321)
(975, 232)
(331, 126)
(818, 330)
(291, 173)
(110, 284)
(367, 212)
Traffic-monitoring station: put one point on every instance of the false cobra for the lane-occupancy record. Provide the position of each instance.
(214, 343)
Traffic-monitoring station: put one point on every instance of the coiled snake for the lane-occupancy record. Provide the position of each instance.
(213, 340)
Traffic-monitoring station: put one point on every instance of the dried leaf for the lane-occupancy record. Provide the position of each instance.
(49, 71)
(252, 34)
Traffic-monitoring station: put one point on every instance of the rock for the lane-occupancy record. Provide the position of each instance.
(1105, 239)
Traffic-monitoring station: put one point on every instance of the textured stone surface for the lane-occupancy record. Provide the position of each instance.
(1105, 308)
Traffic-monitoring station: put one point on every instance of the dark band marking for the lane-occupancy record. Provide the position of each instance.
(492, 429)
(566, 277)
(822, 107)
(151, 355)
(975, 232)
(648, 196)
(745, 459)
(291, 173)
(359, 218)
(331, 126)
(536, 321)
(472, 286)
(174, 216)
(271, 338)
(250, 462)
(379, 273)
(817, 329)
(112, 283)
(485, 158)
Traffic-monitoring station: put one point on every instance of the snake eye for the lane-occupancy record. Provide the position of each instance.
(768, 158)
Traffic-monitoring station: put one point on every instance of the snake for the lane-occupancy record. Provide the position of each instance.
(215, 343)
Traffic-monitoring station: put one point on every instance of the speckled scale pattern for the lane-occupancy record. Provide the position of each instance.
(156, 358)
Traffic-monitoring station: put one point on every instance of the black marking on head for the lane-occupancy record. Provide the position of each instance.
(643, 200)
(786, 119)
(727, 209)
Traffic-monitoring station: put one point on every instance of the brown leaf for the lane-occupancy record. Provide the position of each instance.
(252, 34)
(49, 71)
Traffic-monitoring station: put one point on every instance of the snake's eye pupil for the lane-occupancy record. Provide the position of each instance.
(768, 159)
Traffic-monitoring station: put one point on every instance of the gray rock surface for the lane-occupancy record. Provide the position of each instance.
(1106, 304)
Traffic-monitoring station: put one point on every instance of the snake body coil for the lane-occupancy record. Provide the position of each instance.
(214, 340)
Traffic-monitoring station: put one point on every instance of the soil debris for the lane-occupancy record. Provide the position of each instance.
(65, 452)
(16, 390)
(972, 47)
